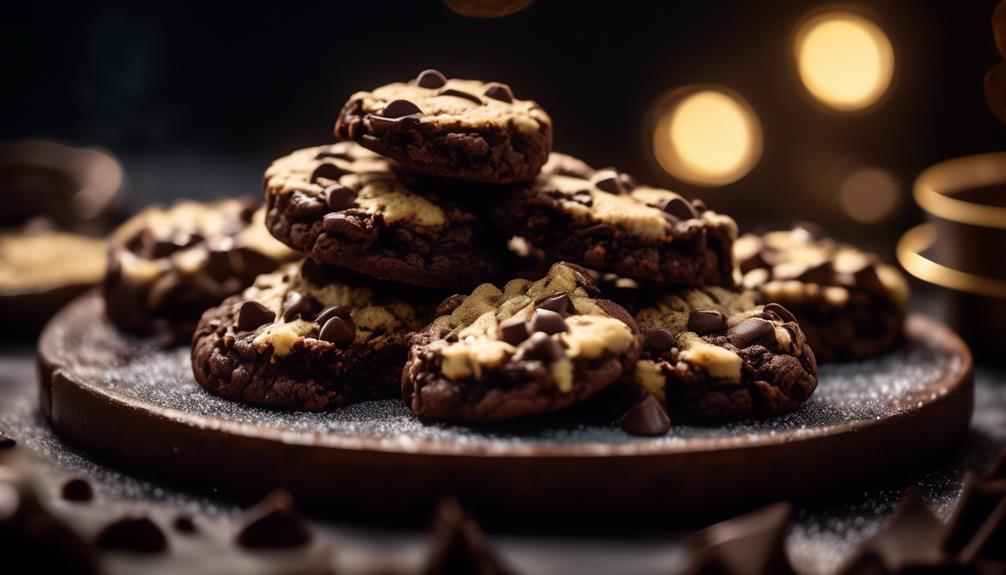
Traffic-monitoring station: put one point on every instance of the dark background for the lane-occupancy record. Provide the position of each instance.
(197, 98)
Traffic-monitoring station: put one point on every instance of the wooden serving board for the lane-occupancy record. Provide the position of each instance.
(127, 402)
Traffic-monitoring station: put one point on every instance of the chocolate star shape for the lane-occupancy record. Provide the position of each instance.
(752, 544)
(459, 546)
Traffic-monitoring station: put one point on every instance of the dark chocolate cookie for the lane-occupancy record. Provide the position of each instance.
(849, 304)
(347, 207)
(608, 223)
(460, 129)
(713, 354)
(40, 270)
(305, 337)
(529, 348)
(167, 265)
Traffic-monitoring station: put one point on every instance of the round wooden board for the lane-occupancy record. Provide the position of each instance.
(128, 403)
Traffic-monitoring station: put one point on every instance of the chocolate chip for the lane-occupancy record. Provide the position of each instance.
(218, 264)
(607, 181)
(297, 305)
(184, 524)
(779, 311)
(339, 330)
(78, 490)
(339, 197)
(327, 171)
(450, 304)
(273, 524)
(646, 418)
(332, 311)
(139, 535)
(559, 303)
(680, 209)
(547, 321)
(753, 543)
(344, 224)
(459, 546)
(660, 340)
(253, 314)
(539, 347)
(753, 331)
(460, 94)
(821, 274)
(706, 321)
(500, 92)
(399, 109)
(6, 442)
(513, 330)
(431, 79)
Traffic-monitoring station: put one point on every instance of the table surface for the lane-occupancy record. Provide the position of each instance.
(821, 536)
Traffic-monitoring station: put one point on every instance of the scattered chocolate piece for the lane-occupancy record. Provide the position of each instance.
(753, 331)
(646, 418)
(779, 311)
(184, 524)
(431, 79)
(539, 347)
(751, 544)
(681, 209)
(660, 340)
(135, 534)
(513, 330)
(273, 524)
(78, 490)
(339, 197)
(400, 109)
(339, 330)
(6, 442)
(909, 541)
(460, 94)
(558, 303)
(547, 321)
(500, 92)
(459, 545)
(253, 314)
(706, 321)
(300, 306)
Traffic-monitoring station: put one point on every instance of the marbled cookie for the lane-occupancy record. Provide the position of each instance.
(460, 129)
(167, 265)
(531, 347)
(607, 222)
(713, 354)
(365, 216)
(306, 337)
(849, 304)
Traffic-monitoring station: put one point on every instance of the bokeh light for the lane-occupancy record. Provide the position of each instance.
(708, 136)
(845, 61)
(869, 194)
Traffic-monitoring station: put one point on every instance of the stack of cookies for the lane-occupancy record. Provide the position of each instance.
(449, 257)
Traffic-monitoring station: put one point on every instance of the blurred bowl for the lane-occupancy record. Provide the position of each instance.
(975, 305)
(965, 200)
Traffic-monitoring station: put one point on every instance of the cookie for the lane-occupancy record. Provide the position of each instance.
(849, 304)
(305, 337)
(529, 348)
(714, 354)
(346, 207)
(459, 129)
(167, 265)
(42, 270)
(77, 188)
(609, 223)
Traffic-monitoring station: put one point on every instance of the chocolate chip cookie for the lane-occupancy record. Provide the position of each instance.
(459, 129)
(167, 265)
(528, 348)
(607, 222)
(305, 337)
(345, 206)
(849, 304)
(714, 354)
